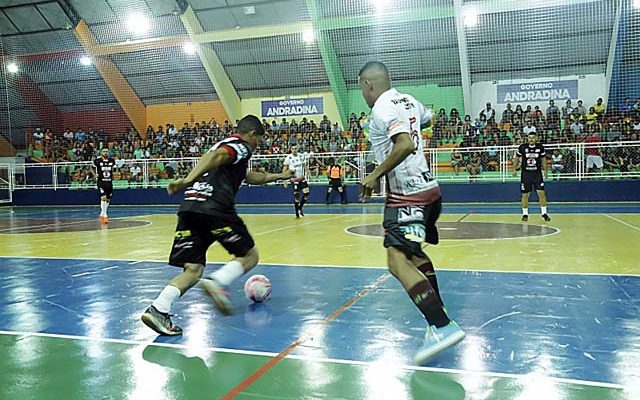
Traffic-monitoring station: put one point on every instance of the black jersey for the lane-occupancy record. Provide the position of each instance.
(104, 169)
(531, 157)
(216, 190)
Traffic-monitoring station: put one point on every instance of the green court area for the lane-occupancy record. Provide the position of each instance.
(35, 367)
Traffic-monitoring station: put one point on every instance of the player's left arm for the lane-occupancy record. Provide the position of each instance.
(207, 162)
(260, 178)
(545, 163)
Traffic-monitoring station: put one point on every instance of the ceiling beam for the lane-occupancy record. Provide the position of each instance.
(117, 83)
(213, 66)
(69, 11)
(331, 65)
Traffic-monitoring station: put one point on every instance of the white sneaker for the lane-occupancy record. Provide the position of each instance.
(218, 294)
(438, 339)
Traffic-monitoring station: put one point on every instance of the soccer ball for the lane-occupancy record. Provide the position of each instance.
(257, 288)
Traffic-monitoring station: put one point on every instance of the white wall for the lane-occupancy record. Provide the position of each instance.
(590, 87)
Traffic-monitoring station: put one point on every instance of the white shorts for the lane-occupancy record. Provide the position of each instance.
(594, 161)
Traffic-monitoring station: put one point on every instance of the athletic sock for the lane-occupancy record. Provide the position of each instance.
(543, 209)
(302, 202)
(228, 273)
(426, 299)
(429, 272)
(296, 205)
(103, 209)
(525, 211)
(166, 298)
(106, 207)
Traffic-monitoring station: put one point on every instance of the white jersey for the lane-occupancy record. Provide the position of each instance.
(410, 183)
(296, 163)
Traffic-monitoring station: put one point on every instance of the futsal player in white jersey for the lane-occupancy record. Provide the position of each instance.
(413, 202)
(298, 163)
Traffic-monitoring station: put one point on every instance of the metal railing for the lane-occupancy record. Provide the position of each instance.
(620, 160)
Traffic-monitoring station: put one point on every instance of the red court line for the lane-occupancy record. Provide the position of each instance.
(284, 353)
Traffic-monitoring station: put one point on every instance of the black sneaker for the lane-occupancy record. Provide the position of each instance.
(546, 217)
(160, 322)
(525, 218)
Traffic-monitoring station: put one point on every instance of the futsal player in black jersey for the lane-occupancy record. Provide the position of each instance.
(534, 160)
(207, 214)
(104, 170)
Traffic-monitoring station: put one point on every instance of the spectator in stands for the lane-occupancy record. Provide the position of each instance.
(488, 113)
(284, 126)
(580, 109)
(38, 136)
(599, 107)
(538, 118)
(518, 116)
(454, 117)
(325, 124)
(557, 162)
(442, 119)
(136, 173)
(293, 126)
(625, 108)
(592, 151)
(576, 130)
(528, 113)
(336, 129)
(68, 135)
(507, 115)
(529, 128)
(553, 116)
(474, 165)
(504, 139)
(567, 111)
(80, 136)
(457, 161)
(591, 117)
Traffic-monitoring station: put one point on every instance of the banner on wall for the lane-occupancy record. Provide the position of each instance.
(537, 91)
(293, 107)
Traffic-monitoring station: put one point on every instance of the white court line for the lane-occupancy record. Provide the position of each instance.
(319, 359)
(25, 229)
(497, 271)
(555, 231)
(622, 222)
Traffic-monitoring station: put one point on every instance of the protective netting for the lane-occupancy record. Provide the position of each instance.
(168, 78)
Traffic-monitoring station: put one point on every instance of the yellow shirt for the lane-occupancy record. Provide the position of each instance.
(591, 118)
(599, 108)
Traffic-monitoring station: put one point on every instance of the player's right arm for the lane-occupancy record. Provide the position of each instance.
(207, 162)
(285, 168)
(516, 159)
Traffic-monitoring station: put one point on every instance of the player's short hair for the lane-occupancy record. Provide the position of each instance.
(250, 123)
(374, 65)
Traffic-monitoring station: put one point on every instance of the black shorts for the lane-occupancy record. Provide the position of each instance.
(105, 189)
(530, 182)
(407, 227)
(299, 186)
(335, 183)
(195, 232)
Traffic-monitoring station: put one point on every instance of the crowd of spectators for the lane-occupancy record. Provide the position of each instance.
(570, 123)
(192, 140)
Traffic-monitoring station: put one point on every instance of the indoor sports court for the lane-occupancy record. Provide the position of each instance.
(136, 92)
(557, 317)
